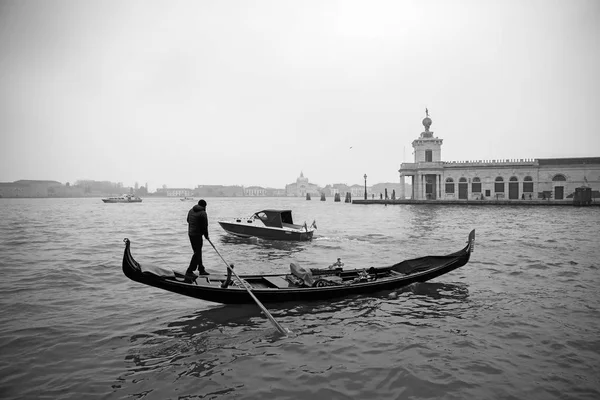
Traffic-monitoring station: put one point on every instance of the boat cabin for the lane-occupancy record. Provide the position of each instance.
(275, 218)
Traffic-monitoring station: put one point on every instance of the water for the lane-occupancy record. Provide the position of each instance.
(521, 320)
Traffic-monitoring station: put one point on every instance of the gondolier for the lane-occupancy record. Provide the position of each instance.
(197, 220)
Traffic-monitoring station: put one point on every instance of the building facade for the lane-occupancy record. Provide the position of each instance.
(178, 192)
(218, 191)
(255, 191)
(301, 187)
(513, 179)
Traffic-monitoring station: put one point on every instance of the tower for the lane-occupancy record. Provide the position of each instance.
(427, 148)
(427, 169)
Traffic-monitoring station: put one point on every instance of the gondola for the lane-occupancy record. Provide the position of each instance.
(301, 284)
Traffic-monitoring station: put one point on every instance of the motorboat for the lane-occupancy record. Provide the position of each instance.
(269, 224)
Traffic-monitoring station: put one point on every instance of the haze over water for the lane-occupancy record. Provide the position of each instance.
(520, 320)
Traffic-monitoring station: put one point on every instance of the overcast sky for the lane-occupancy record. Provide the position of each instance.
(254, 92)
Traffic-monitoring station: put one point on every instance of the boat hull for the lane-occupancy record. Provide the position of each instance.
(121, 201)
(276, 289)
(246, 230)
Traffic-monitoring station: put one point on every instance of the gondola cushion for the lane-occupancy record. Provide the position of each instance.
(157, 270)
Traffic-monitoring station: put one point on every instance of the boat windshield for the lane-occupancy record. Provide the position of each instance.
(286, 217)
(275, 218)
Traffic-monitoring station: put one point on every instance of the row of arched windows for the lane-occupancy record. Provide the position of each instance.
(499, 183)
(498, 179)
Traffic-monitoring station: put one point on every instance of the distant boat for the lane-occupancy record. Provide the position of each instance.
(187, 199)
(126, 198)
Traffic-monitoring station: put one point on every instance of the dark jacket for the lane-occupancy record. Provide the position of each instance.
(197, 221)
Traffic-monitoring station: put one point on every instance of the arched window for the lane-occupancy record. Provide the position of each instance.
(449, 185)
(514, 179)
(559, 178)
(462, 179)
(528, 184)
(476, 185)
(499, 185)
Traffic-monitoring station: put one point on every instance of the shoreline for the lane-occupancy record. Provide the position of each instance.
(513, 203)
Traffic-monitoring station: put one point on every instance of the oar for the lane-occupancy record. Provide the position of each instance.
(281, 329)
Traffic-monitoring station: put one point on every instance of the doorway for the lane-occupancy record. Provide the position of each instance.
(430, 192)
(463, 189)
(559, 192)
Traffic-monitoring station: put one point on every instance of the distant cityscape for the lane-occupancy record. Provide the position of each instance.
(91, 188)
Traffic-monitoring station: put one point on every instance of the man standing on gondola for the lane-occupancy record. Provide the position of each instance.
(197, 220)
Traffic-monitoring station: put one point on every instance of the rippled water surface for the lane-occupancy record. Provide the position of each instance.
(521, 320)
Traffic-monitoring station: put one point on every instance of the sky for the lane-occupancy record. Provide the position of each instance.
(231, 92)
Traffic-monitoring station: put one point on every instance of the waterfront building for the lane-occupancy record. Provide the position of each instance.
(178, 192)
(273, 192)
(335, 189)
(255, 191)
(512, 179)
(218, 191)
(301, 187)
(174, 192)
(358, 191)
(39, 188)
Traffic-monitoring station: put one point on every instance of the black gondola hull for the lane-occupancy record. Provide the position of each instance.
(272, 288)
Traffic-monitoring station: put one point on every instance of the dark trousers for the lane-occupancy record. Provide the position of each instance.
(196, 261)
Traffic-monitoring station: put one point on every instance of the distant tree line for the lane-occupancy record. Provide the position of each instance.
(90, 186)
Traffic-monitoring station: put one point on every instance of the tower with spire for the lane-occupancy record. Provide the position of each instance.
(427, 168)
(427, 148)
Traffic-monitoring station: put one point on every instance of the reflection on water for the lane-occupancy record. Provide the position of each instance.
(200, 345)
(227, 315)
(440, 290)
(205, 344)
(424, 219)
(429, 301)
(418, 298)
(263, 249)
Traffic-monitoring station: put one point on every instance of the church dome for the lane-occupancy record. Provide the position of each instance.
(301, 178)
